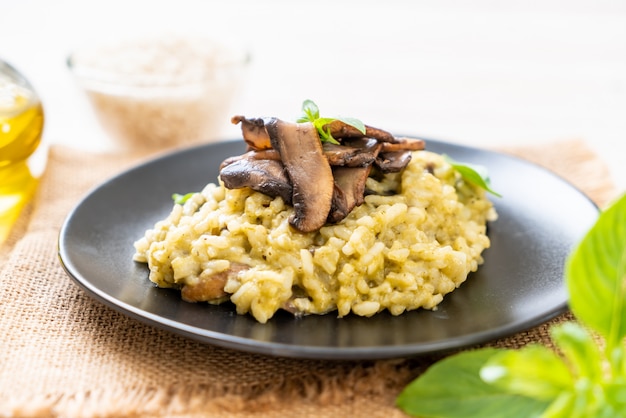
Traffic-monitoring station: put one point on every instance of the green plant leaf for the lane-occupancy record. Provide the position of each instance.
(579, 348)
(562, 407)
(311, 113)
(595, 275)
(473, 173)
(452, 388)
(180, 199)
(533, 371)
(324, 133)
(355, 123)
(616, 394)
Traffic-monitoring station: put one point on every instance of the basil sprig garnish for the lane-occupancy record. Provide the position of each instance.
(180, 199)
(311, 113)
(473, 173)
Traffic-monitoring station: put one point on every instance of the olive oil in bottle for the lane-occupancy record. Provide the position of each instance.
(21, 127)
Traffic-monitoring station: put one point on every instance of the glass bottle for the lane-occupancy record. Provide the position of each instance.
(21, 128)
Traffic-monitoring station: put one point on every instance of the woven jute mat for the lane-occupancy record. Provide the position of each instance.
(63, 354)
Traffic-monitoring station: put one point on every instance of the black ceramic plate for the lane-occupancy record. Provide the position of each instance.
(520, 285)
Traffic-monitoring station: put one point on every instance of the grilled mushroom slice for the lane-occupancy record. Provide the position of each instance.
(353, 153)
(339, 130)
(308, 169)
(357, 153)
(254, 132)
(211, 288)
(404, 144)
(265, 176)
(394, 161)
(349, 190)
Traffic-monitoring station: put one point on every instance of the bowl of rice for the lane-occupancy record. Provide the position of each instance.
(160, 92)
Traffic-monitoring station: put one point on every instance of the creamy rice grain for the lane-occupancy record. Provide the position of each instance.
(398, 251)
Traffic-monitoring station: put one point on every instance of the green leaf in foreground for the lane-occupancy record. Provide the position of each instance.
(452, 388)
(580, 350)
(583, 381)
(473, 173)
(180, 199)
(596, 275)
(534, 371)
(311, 113)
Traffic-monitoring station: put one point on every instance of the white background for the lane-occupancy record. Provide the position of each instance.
(482, 72)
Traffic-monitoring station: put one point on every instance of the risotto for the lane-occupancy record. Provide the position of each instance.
(415, 238)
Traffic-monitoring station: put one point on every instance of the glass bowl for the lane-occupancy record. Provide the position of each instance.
(156, 93)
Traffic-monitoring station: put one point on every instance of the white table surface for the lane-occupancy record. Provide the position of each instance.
(490, 73)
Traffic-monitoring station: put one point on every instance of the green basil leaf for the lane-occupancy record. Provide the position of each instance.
(452, 388)
(533, 371)
(325, 136)
(310, 110)
(180, 199)
(311, 113)
(321, 122)
(562, 407)
(473, 173)
(579, 348)
(618, 360)
(595, 274)
(355, 123)
(616, 394)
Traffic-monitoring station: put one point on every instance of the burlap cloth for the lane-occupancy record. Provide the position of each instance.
(63, 354)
